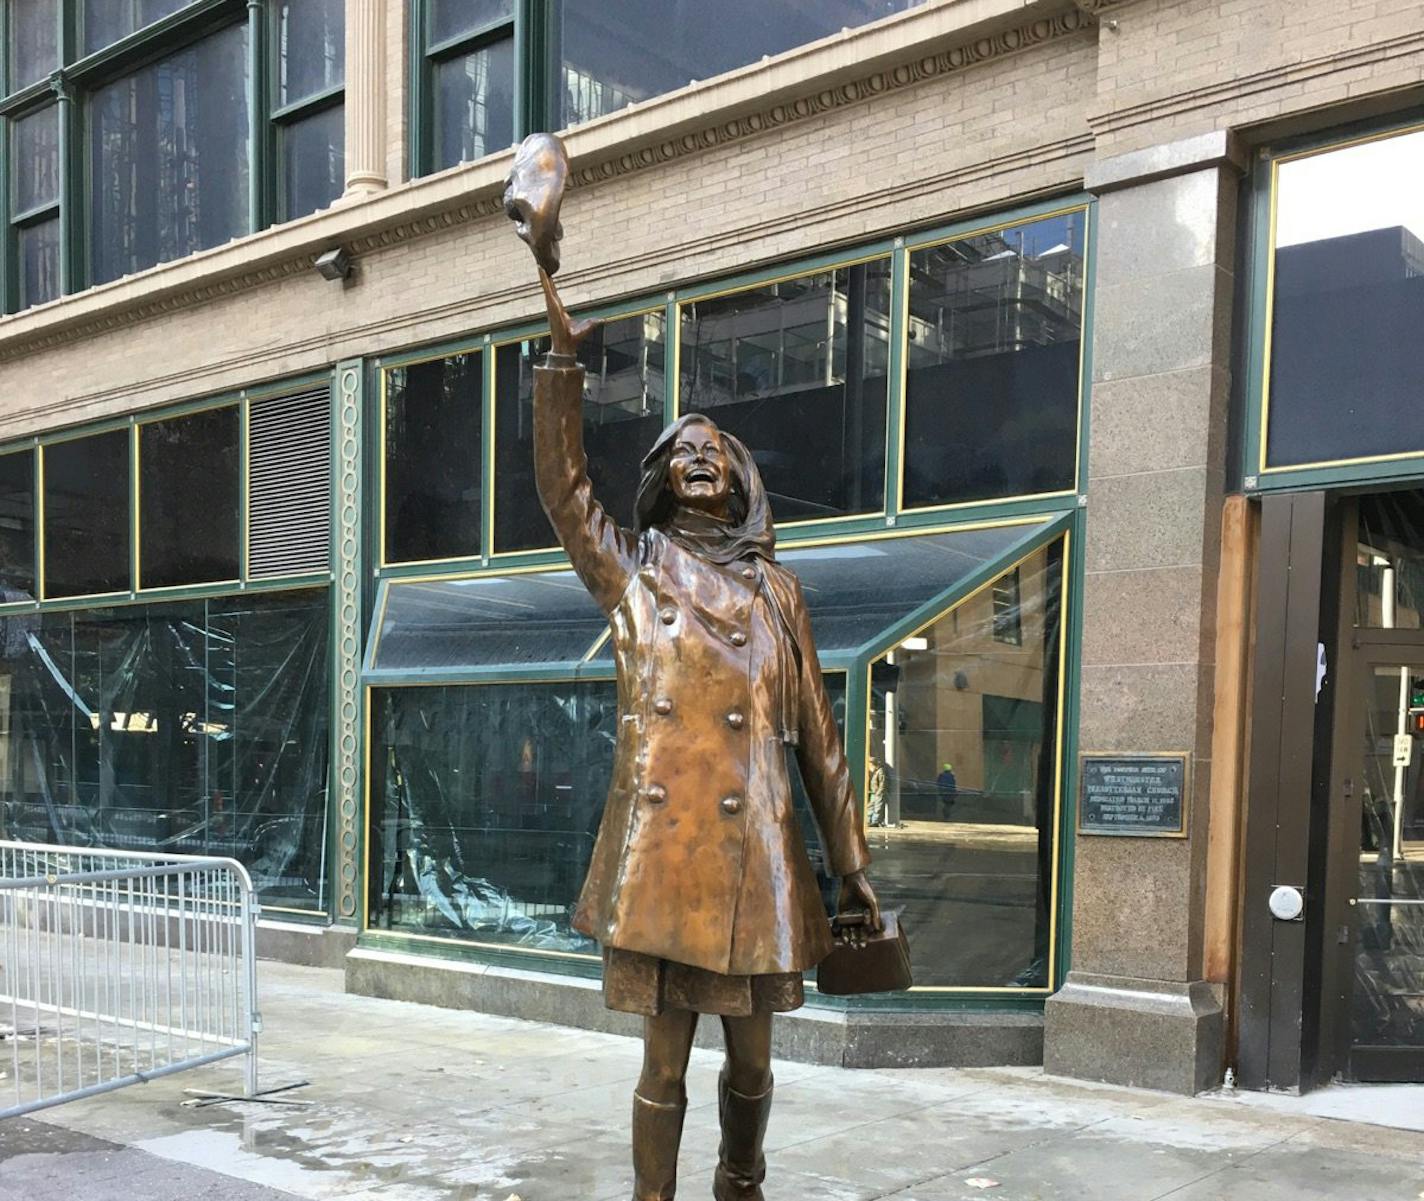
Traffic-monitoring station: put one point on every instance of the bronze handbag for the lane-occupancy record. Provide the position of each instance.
(865, 960)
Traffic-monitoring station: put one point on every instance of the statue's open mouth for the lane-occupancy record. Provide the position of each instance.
(701, 475)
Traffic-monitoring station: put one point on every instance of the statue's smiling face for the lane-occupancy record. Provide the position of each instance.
(698, 471)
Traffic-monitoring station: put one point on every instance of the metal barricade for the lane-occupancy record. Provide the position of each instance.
(118, 967)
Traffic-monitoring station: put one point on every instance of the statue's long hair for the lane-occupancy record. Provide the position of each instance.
(749, 531)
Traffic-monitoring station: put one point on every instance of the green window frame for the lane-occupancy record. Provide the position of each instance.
(78, 75)
(1257, 475)
(890, 513)
(242, 402)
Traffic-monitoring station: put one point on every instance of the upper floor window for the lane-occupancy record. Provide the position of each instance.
(1341, 375)
(469, 80)
(177, 154)
(494, 70)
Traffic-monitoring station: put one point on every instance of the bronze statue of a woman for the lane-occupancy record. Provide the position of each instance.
(700, 889)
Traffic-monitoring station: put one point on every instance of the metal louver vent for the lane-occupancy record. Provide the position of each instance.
(289, 485)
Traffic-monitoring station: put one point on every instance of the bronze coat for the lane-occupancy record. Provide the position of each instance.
(699, 858)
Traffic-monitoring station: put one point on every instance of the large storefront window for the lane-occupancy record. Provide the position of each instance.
(1389, 565)
(963, 812)
(494, 719)
(993, 364)
(797, 370)
(196, 727)
(1345, 304)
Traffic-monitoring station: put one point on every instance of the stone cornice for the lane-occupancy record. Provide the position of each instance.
(923, 44)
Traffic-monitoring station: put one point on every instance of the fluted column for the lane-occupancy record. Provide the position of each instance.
(365, 96)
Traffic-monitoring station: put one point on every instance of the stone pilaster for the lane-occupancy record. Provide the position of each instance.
(365, 96)
(346, 648)
(1135, 1008)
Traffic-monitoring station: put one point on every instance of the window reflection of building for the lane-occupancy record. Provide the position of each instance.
(993, 363)
(799, 363)
(974, 871)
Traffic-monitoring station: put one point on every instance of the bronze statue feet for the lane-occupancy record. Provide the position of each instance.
(742, 1165)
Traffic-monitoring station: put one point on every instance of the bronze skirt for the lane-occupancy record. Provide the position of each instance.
(637, 983)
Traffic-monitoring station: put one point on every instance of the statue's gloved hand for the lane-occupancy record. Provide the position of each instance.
(856, 893)
(564, 333)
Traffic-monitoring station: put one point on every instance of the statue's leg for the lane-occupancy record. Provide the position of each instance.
(744, 1102)
(660, 1104)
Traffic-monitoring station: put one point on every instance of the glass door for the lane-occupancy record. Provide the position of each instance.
(1387, 1000)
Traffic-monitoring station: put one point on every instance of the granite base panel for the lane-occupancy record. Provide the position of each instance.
(1140, 1033)
(304, 945)
(860, 1039)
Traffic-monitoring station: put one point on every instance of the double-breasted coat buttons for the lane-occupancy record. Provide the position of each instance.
(731, 805)
(663, 705)
(667, 615)
(655, 794)
(748, 573)
(735, 720)
(738, 638)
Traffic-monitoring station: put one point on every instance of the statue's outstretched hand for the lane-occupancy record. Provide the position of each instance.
(564, 333)
(856, 893)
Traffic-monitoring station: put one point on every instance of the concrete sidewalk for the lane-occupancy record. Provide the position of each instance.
(412, 1103)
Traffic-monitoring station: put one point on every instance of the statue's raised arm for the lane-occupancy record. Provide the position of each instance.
(601, 552)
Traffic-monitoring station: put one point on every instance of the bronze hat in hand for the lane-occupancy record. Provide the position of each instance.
(533, 193)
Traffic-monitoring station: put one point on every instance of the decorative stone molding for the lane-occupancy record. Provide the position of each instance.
(483, 199)
(347, 646)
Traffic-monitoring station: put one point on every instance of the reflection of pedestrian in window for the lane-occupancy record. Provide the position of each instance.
(948, 791)
(875, 802)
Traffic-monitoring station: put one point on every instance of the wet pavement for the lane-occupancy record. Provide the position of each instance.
(412, 1103)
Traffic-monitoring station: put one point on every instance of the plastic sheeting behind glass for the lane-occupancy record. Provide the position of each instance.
(486, 799)
(1389, 563)
(196, 727)
(963, 808)
(1347, 304)
(485, 803)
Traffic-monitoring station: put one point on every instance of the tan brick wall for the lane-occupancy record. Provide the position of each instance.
(1173, 68)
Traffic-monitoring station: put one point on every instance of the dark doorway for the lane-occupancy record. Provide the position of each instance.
(1380, 777)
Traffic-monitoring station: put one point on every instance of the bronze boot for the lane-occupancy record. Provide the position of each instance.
(657, 1134)
(742, 1166)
